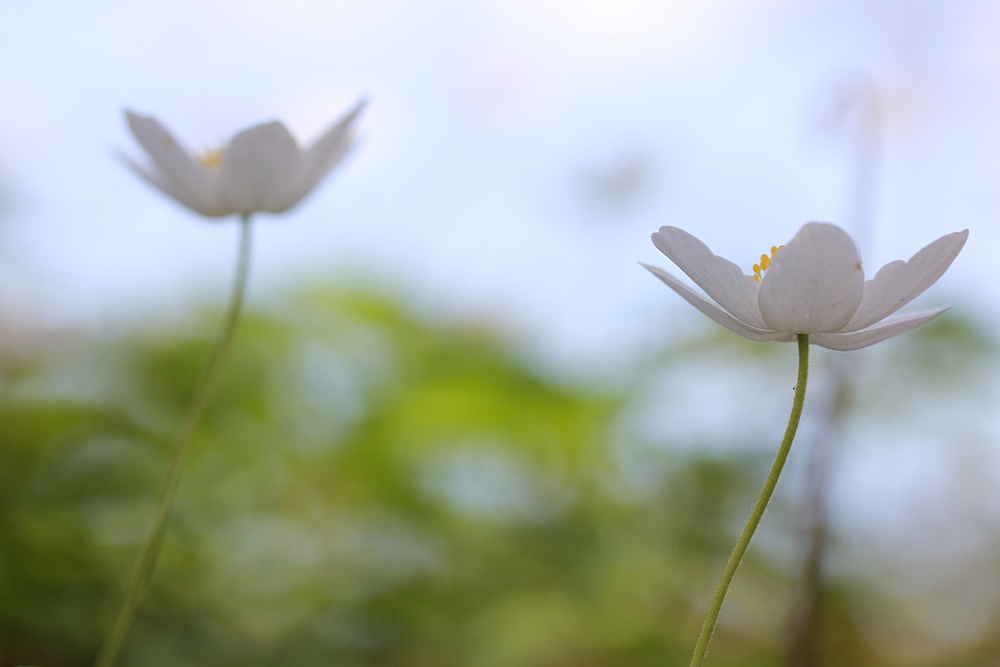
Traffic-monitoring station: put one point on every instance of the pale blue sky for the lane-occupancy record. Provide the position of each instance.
(493, 130)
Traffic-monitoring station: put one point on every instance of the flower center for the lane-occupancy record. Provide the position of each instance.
(765, 261)
(212, 157)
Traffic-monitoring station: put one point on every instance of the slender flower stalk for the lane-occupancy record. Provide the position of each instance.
(203, 394)
(701, 647)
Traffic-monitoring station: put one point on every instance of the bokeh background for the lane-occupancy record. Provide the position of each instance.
(462, 426)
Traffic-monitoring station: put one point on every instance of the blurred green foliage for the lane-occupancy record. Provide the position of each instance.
(373, 489)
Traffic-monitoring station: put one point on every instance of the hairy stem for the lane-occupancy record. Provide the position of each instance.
(701, 647)
(203, 393)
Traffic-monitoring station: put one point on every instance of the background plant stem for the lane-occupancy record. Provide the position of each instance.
(859, 120)
(203, 393)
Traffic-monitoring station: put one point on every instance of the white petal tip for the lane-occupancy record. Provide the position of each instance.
(352, 115)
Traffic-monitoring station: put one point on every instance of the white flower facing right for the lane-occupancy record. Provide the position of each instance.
(813, 285)
(262, 168)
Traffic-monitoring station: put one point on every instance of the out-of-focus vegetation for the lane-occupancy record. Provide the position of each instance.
(370, 489)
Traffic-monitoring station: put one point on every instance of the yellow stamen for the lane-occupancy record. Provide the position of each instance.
(211, 158)
(765, 262)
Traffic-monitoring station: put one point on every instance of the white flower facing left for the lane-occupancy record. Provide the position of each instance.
(262, 168)
(813, 285)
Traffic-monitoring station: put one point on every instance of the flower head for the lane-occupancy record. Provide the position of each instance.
(812, 285)
(262, 168)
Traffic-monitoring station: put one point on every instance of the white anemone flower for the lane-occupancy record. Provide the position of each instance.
(262, 168)
(813, 285)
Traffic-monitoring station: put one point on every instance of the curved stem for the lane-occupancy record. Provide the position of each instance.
(701, 647)
(203, 393)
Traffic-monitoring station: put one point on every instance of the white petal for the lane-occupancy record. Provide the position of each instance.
(259, 170)
(712, 310)
(722, 280)
(327, 151)
(156, 180)
(887, 328)
(176, 173)
(815, 283)
(898, 283)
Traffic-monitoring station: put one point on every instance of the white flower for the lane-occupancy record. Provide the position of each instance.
(814, 285)
(262, 168)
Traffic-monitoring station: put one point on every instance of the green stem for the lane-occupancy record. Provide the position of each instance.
(203, 393)
(758, 509)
